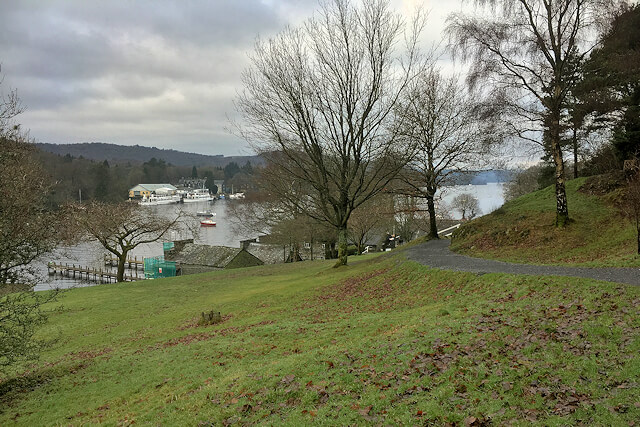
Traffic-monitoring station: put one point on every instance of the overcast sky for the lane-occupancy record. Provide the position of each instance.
(149, 72)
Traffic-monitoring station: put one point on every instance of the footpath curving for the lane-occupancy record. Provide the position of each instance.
(436, 254)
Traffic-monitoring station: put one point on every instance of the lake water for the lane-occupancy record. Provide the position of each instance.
(92, 254)
(490, 197)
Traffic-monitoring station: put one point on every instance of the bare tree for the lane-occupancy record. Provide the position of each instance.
(524, 182)
(408, 217)
(370, 220)
(122, 227)
(256, 214)
(467, 205)
(529, 51)
(28, 230)
(270, 211)
(319, 102)
(440, 119)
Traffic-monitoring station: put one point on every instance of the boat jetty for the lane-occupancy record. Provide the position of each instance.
(90, 273)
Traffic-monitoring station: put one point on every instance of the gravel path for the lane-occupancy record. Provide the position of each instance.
(436, 254)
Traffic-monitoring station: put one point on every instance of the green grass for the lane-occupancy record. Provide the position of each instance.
(383, 341)
(524, 231)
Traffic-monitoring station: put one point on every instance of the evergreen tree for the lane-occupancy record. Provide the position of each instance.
(247, 168)
(230, 170)
(103, 181)
(610, 88)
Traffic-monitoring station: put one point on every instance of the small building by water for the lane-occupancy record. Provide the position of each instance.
(276, 253)
(195, 258)
(146, 190)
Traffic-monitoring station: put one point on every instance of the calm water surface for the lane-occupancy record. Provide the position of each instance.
(92, 254)
(490, 197)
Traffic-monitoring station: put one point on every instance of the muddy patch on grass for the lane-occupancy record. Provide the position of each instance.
(204, 336)
(194, 322)
(88, 355)
(376, 292)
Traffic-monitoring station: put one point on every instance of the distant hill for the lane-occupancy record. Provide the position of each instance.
(114, 154)
(481, 177)
(485, 177)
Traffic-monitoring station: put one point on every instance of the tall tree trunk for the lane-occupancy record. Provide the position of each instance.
(122, 259)
(562, 212)
(638, 231)
(431, 207)
(575, 152)
(342, 246)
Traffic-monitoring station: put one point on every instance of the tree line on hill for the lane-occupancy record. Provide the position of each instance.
(122, 154)
(75, 178)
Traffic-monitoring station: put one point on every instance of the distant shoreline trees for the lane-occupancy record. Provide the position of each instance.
(110, 182)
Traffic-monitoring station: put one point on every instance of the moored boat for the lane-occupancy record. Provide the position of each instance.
(197, 195)
(207, 223)
(154, 200)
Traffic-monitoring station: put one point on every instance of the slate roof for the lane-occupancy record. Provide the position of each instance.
(267, 253)
(210, 256)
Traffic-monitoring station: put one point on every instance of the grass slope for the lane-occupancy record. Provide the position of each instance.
(383, 341)
(523, 230)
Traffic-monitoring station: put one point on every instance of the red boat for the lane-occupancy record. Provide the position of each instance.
(207, 223)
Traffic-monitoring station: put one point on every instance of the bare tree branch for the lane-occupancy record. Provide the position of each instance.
(320, 101)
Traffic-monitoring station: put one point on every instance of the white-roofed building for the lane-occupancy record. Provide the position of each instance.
(146, 190)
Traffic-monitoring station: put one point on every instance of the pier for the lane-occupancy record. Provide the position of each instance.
(89, 273)
(131, 263)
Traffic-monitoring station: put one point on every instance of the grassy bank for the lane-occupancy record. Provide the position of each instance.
(383, 340)
(524, 230)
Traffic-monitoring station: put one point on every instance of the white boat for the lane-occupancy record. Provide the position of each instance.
(236, 196)
(205, 213)
(197, 195)
(154, 200)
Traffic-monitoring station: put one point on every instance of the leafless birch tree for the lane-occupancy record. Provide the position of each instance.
(528, 52)
(319, 102)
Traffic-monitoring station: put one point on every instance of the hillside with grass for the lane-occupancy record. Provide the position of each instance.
(382, 341)
(524, 231)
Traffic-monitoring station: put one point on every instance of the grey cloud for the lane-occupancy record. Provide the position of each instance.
(150, 72)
